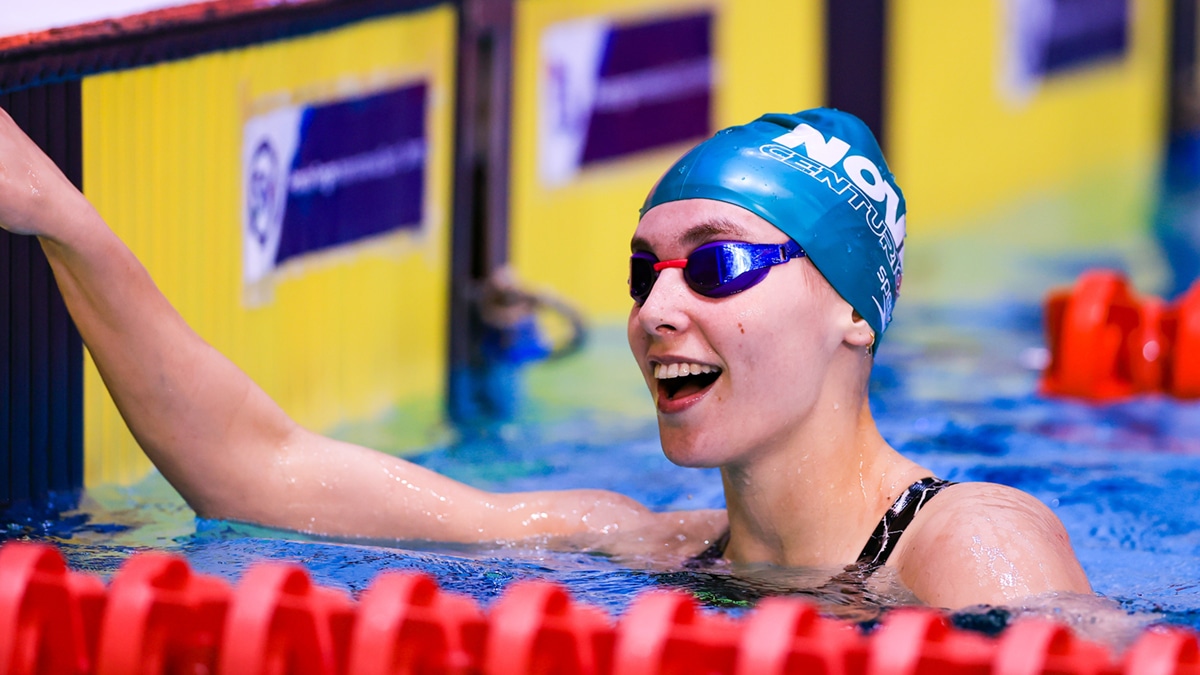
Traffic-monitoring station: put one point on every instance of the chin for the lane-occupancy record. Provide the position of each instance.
(688, 449)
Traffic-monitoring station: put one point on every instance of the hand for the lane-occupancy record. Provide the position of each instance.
(34, 193)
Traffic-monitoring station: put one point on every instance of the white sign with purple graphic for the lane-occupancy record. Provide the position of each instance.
(320, 176)
(608, 90)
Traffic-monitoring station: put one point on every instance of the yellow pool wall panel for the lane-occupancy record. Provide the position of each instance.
(338, 337)
(963, 142)
(573, 239)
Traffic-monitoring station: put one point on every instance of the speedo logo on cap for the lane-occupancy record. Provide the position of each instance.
(860, 182)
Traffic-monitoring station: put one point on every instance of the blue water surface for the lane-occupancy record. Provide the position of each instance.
(955, 388)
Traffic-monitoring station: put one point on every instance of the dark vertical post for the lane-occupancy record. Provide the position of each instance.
(1182, 86)
(855, 72)
(480, 220)
(1174, 218)
(41, 393)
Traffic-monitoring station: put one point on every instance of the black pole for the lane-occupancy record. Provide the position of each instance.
(479, 227)
(855, 72)
(41, 355)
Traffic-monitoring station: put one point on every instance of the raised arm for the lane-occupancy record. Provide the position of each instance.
(196, 415)
(229, 449)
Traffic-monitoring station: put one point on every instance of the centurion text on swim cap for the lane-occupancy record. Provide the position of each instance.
(820, 177)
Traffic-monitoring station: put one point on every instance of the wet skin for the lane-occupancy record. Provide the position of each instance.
(233, 453)
(806, 474)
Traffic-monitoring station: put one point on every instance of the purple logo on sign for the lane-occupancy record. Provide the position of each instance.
(654, 89)
(1047, 37)
(358, 171)
(608, 91)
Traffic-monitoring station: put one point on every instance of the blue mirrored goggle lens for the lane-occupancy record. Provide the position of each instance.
(715, 270)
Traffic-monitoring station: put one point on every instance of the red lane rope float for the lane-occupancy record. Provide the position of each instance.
(1184, 377)
(279, 622)
(1163, 652)
(48, 615)
(1034, 647)
(161, 618)
(915, 641)
(406, 624)
(665, 632)
(536, 628)
(1106, 342)
(1088, 330)
(786, 635)
(158, 616)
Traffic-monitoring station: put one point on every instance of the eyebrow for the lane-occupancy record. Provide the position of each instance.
(702, 232)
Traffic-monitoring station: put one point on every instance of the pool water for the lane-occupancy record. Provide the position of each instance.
(954, 388)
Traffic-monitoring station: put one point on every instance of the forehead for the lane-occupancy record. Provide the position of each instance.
(691, 222)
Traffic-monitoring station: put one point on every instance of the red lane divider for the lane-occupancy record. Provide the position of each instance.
(1034, 647)
(665, 632)
(1163, 652)
(406, 624)
(535, 628)
(913, 641)
(1185, 367)
(47, 613)
(279, 622)
(158, 616)
(786, 635)
(161, 618)
(1107, 343)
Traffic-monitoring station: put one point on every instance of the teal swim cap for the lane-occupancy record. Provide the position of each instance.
(820, 177)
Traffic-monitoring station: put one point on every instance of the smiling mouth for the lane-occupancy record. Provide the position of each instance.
(680, 380)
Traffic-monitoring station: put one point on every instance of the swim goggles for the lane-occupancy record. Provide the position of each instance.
(715, 270)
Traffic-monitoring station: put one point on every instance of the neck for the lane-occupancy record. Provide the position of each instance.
(815, 498)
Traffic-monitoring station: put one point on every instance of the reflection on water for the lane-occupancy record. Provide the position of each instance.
(950, 390)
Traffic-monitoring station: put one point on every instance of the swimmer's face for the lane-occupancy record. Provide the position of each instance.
(763, 355)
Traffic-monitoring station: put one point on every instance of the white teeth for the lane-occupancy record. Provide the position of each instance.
(663, 371)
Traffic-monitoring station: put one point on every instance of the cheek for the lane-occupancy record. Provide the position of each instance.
(785, 344)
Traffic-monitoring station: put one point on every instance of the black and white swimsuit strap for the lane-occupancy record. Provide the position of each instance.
(897, 519)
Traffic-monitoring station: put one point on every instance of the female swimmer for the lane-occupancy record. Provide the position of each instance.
(764, 271)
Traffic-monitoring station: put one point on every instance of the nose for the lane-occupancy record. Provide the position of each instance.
(664, 311)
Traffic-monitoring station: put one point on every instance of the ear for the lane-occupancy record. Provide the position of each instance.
(858, 332)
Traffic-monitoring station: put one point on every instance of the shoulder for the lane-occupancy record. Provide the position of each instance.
(983, 543)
